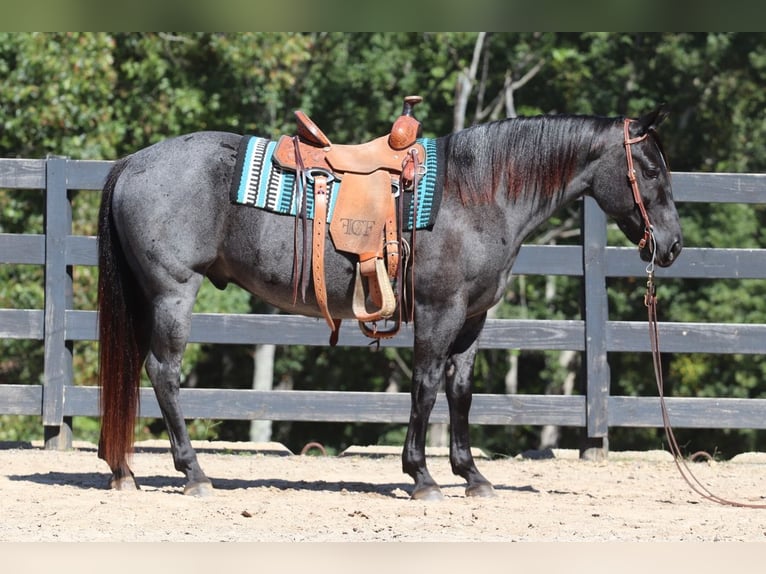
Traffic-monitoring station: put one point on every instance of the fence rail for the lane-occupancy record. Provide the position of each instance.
(59, 325)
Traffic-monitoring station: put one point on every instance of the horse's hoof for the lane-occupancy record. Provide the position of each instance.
(428, 493)
(126, 483)
(483, 489)
(199, 489)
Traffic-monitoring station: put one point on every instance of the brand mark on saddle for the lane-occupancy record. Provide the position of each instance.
(358, 227)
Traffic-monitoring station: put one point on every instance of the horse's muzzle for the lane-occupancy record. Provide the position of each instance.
(663, 257)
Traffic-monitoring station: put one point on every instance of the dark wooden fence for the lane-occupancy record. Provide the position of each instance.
(58, 325)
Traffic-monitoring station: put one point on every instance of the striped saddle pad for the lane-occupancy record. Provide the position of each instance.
(260, 182)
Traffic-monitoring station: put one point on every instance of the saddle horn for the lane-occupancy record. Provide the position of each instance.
(406, 128)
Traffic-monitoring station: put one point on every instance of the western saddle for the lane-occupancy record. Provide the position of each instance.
(364, 222)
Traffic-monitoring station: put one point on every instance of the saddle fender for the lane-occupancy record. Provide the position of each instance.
(363, 221)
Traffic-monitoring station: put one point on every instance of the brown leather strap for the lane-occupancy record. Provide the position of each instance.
(414, 160)
(393, 235)
(634, 182)
(317, 255)
(368, 269)
(300, 271)
(650, 300)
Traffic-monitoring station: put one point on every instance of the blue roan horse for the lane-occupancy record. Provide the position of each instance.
(166, 223)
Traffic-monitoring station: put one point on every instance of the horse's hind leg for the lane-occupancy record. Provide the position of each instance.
(459, 390)
(123, 478)
(171, 325)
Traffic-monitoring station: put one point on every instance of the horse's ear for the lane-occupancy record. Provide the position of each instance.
(654, 118)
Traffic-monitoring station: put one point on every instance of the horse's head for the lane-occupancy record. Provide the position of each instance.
(632, 185)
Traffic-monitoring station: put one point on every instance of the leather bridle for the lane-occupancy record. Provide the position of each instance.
(634, 186)
(650, 301)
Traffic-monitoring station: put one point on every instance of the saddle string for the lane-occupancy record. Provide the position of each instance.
(650, 301)
(413, 155)
(300, 274)
(407, 298)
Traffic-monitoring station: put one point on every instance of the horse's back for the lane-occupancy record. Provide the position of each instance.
(192, 154)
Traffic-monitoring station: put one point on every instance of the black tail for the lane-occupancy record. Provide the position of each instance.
(121, 353)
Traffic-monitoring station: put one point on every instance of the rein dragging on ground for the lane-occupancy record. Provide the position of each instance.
(650, 301)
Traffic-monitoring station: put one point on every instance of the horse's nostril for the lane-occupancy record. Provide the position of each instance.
(675, 249)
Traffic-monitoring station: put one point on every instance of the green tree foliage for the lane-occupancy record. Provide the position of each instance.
(101, 96)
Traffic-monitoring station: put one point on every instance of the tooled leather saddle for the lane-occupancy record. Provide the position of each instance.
(365, 221)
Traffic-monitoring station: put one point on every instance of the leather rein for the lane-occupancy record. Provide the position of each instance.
(650, 301)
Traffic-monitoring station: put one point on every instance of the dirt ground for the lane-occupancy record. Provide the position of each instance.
(266, 494)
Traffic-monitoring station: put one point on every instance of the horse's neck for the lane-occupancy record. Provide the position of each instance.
(553, 172)
(538, 206)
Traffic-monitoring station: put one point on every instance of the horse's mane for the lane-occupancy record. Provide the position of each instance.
(534, 154)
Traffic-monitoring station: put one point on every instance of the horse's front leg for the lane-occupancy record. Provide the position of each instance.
(428, 372)
(459, 389)
(435, 332)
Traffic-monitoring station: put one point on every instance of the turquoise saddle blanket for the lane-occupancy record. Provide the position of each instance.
(260, 182)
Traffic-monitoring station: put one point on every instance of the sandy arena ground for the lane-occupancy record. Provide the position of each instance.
(266, 494)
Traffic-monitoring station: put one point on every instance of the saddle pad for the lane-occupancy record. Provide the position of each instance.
(259, 182)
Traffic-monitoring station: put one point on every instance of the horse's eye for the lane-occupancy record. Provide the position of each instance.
(651, 173)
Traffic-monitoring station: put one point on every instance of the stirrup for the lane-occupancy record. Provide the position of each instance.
(388, 305)
(377, 334)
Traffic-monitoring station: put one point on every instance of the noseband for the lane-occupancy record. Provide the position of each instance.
(634, 186)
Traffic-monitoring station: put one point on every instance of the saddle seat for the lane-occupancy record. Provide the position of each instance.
(387, 152)
(364, 221)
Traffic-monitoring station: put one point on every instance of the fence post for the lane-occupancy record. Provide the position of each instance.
(595, 443)
(58, 296)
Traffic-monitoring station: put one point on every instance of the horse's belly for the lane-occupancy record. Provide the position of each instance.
(267, 269)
